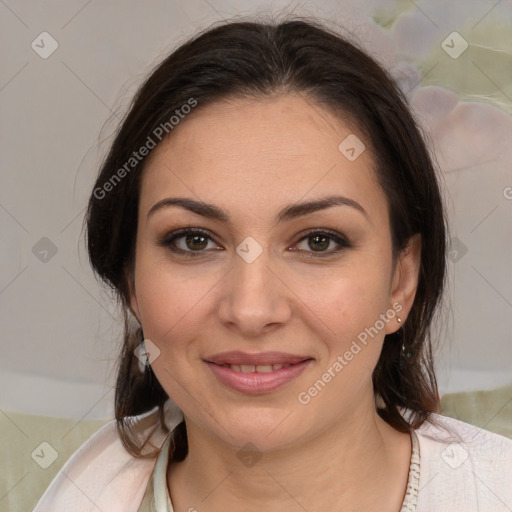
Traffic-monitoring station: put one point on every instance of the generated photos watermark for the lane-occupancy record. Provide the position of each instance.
(156, 136)
(305, 397)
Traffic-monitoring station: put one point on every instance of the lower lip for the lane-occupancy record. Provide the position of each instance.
(255, 383)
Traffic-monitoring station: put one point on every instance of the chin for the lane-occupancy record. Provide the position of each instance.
(268, 430)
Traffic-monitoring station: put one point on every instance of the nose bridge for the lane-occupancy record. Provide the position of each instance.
(254, 298)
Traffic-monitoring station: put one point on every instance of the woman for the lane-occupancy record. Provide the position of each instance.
(272, 223)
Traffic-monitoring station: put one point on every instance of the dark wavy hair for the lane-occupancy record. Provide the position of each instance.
(248, 59)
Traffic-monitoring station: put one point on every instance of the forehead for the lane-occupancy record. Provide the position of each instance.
(261, 152)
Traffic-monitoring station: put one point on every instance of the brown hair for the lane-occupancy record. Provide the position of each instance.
(251, 59)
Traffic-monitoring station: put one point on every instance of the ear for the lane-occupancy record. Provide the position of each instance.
(405, 281)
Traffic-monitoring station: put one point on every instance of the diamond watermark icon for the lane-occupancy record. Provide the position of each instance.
(351, 147)
(454, 45)
(454, 455)
(249, 455)
(44, 45)
(45, 455)
(249, 249)
(146, 352)
(457, 250)
(44, 250)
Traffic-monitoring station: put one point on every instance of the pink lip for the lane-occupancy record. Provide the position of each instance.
(257, 383)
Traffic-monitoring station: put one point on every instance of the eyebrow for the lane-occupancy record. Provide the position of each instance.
(288, 213)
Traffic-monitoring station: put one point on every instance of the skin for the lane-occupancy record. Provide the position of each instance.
(251, 158)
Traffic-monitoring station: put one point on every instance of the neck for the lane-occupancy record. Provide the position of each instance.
(360, 462)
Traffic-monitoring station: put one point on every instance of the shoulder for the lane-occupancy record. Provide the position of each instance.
(463, 467)
(102, 475)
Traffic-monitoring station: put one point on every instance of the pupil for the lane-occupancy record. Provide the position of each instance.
(318, 242)
(196, 242)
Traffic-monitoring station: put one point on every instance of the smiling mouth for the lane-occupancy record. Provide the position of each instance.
(256, 373)
(263, 362)
(251, 368)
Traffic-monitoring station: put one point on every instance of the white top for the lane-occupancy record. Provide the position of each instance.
(457, 468)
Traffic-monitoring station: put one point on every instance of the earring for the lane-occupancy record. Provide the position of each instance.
(399, 331)
(406, 353)
(141, 351)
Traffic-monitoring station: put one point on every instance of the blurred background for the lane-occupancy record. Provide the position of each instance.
(69, 70)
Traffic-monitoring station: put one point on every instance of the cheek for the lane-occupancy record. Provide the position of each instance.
(175, 305)
(349, 345)
(165, 302)
(171, 311)
(346, 300)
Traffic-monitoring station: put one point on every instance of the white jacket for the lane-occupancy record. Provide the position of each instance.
(462, 469)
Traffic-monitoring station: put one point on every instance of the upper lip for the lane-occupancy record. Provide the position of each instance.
(262, 358)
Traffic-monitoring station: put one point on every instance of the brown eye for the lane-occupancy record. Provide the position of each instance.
(318, 242)
(189, 242)
(323, 243)
(196, 242)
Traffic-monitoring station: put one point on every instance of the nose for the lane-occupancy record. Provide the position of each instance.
(254, 300)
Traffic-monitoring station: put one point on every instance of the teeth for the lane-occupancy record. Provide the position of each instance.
(264, 368)
(251, 368)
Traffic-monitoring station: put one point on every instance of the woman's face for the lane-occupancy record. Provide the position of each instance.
(263, 278)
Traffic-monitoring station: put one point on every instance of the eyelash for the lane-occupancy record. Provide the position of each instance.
(170, 239)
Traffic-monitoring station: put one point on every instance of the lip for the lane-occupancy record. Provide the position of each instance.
(257, 383)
